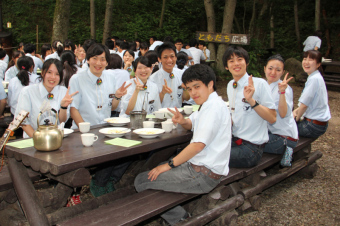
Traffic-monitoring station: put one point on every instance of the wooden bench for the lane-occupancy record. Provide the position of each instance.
(139, 207)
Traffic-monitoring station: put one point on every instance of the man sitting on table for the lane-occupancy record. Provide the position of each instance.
(96, 98)
(199, 167)
(251, 106)
(169, 79)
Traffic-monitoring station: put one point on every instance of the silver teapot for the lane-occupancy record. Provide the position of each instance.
(48, 137)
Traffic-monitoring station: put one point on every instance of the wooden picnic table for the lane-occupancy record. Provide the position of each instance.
(69, 164)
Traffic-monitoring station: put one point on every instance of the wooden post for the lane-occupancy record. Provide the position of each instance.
(37, 45)
(214, 213)
(27, 196)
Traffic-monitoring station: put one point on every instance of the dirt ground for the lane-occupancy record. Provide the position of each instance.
(300, 201)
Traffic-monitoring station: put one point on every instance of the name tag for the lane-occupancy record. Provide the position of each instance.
(151, 101)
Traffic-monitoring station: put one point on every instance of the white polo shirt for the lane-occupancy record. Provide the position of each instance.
(92, 95)
(211, 125)
(247, 124)
(121, 76)
(3, 67)
(175, 98)
(52, 56)
(315, 96)
(311, 42)
(33, 96)
(14, 89)
(152, 101)
(11, 73)
(155, 44)
(283, 126)
(197, 55)
(3, 94)
(37, 62)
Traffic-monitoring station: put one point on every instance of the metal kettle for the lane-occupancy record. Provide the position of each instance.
(48, 137)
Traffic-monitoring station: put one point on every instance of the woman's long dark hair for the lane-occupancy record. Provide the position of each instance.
(25, 63)
(58, 46)
(44, 49)
(15, 54)
(68, 59)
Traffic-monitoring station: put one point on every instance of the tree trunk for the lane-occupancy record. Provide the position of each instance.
(252, 20)
(108, 20)
(228, 18)
(93, 19)
(211, 25)
(259, 31)
(61, 20)
(297, 29)
(271, 28)
(317, 14)
(162, 15)
(327, 34)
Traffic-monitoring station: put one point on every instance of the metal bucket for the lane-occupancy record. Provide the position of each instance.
(137, 118)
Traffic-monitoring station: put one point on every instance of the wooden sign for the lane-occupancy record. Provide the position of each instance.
(240, 39)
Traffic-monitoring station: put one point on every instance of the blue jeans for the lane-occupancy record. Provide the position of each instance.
(182, 179)
(309, 129)
(244, 155)
(276, 144)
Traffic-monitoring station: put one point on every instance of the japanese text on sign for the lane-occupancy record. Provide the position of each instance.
(240, 39)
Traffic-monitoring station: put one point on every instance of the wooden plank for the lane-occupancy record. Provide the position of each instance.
(73, 155)
(130, 210)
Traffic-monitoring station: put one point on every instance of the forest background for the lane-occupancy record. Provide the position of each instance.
(272, 24)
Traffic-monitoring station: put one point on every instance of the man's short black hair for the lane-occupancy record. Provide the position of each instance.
(164, 46)
(200, 42)
(97, 49)
(109, 43)
(29, 48)
(234, 50)
(153, 37)
(193, 42)
(168, 39)
(88, 43)
(2, 53)
(199, 72)
(179, 41)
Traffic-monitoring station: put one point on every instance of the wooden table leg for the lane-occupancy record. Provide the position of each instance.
(27, 196)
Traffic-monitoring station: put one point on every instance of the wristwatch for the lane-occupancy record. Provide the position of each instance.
(255, 105)
(171, 163)
(114, 96)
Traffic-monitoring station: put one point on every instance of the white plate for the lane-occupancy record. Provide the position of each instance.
(117, 121)
(168, 114)
(114, 132)
(149, 132)
(67, 132)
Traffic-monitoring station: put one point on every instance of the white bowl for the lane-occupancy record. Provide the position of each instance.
(149, 132)
(67, 132)
(168, 114)
(114, 132)
(117, 121)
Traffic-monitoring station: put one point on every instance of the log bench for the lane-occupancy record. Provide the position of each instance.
(6, 181)
(139, 207)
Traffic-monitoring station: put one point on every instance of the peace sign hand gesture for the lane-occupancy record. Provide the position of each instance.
(249, 90)
(139, 86)
(67, 100)
(178, 117)
(284, 84)
(122, 90)
(166, 88)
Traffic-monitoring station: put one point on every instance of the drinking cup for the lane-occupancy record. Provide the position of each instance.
(167, 126)
(84, 127)
(159, 114)
(188, 109)
(148, 124)
(88, 139)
